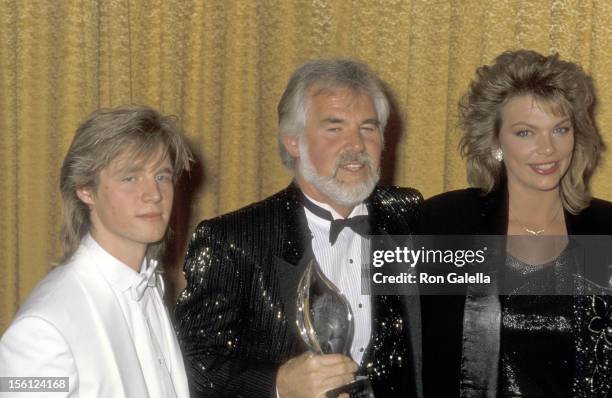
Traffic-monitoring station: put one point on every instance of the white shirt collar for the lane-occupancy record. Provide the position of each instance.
(114, 271)
(359, 210)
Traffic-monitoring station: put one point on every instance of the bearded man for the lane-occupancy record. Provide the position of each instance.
(237, 317)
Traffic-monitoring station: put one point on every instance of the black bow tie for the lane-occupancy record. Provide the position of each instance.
(359, 224)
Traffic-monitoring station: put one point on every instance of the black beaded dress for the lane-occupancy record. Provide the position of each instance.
(552, 344)
(480, 344)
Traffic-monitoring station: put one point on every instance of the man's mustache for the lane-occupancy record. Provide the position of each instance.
(346, 158)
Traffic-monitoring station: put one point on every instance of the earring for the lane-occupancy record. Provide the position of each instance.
(498, 154)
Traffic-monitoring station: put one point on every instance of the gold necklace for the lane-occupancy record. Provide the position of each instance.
(532, 231)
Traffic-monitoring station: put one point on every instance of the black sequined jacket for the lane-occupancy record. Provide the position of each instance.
(469, 212)
(236, 318)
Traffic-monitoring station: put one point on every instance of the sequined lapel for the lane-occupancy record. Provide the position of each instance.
(295, 254)
(384, 210)
(297, 239)
(379, 224)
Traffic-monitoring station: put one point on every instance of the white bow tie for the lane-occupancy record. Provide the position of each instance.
(144, 280)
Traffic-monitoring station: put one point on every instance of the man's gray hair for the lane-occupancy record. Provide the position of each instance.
(325, 73)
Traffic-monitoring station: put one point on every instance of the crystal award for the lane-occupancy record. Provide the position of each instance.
(325, 322)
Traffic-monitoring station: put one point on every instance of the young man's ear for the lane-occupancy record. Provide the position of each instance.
(291, 143)
(86, 195)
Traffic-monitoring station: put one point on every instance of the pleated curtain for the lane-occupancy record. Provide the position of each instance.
(220, 66)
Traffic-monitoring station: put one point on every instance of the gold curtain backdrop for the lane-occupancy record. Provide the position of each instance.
(221, 66)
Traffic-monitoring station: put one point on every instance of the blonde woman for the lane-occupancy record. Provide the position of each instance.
(531, 145)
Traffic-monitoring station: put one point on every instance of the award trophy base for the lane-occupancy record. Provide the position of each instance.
(359, 388)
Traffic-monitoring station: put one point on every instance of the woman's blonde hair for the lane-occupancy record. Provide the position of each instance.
(561, 86)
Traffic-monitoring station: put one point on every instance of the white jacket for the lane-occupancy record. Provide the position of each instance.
(72, 325)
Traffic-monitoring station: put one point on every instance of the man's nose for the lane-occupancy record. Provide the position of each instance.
(355, 141)
(151, 191)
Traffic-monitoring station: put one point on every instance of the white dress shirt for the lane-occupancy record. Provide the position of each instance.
(341, 263)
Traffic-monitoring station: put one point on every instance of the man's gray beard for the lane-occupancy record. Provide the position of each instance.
(340, 193)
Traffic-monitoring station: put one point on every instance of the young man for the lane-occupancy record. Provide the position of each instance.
(237, 316)
(98, 318)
